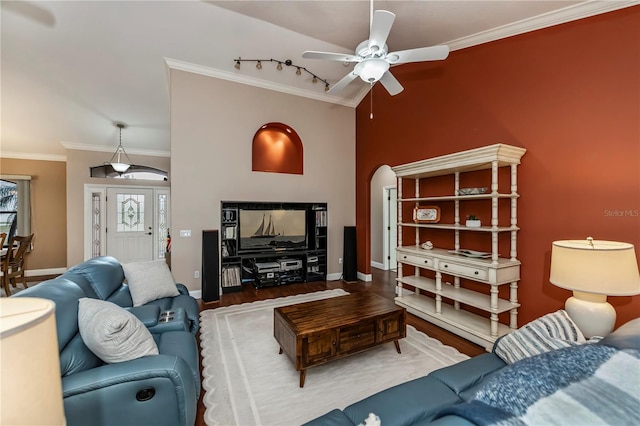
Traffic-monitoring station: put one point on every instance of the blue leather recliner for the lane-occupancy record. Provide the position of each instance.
(153, 390)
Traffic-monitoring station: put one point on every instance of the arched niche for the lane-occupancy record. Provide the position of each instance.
(277, 148)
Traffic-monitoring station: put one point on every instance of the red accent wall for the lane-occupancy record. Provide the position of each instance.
(569, 94)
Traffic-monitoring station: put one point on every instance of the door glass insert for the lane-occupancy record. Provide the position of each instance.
(130, 213)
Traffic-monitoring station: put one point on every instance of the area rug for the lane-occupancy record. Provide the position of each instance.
(246, 381)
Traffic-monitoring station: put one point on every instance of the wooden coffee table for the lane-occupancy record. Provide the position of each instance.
(320, 331)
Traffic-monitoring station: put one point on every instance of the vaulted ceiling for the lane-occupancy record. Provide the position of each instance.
(69, 69)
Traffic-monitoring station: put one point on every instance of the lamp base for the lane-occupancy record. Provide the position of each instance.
(593, 315)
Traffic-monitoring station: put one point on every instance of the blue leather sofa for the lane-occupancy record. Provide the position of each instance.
(153, 390)
(431, 399)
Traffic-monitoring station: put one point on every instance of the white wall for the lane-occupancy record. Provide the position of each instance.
(213, 122)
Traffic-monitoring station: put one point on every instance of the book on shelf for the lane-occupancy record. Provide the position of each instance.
(231, 276)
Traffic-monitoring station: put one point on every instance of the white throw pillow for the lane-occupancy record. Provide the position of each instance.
(149, 281)
(547, 333)
(113, 333)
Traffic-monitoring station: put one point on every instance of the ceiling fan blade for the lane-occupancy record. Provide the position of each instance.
(341, 57)
(390, 83)
(380, 28)
(344, 82)
(433, 53)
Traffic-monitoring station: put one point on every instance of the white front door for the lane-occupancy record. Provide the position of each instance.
(130, 224)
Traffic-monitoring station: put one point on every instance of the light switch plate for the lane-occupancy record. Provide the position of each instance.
(185, 233)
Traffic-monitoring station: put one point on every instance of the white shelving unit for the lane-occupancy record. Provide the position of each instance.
(494, 271)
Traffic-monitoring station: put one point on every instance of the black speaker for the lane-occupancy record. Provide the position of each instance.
(349, 258)
(210, 266)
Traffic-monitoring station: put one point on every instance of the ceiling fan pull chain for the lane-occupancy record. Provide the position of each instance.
(371, 98)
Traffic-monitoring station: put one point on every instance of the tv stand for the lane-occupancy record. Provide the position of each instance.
(276, 260)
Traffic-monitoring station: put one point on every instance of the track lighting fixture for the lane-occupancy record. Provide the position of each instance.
(279, 67)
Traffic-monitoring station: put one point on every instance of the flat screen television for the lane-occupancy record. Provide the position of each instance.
(272, 229)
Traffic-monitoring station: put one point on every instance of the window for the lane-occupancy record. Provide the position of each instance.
(15, 206)
(134, 172)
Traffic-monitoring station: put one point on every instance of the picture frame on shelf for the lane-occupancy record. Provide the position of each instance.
(426, 214)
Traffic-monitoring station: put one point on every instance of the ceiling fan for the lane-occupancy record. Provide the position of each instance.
(373, 59)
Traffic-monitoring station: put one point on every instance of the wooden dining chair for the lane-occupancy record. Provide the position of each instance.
(14, 262)
(3, 237)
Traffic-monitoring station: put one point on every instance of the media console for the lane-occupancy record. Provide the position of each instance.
(272, 243)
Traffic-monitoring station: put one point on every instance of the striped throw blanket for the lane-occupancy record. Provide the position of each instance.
(579, 385)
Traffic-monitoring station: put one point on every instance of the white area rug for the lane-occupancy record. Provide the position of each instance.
(247, 382)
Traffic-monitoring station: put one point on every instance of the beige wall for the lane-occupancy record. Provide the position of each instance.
(78, 163)
(384, 176)
(48, 210)
(213, 122)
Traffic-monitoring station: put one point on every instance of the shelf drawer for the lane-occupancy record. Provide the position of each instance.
(425, 262)
(464, 270)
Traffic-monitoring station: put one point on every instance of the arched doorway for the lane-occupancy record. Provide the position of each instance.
(383, 208)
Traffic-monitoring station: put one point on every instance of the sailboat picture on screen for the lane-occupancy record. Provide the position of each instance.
(276, 229)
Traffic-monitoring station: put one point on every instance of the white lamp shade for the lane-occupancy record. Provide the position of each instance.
(371, 70)
(592, 266)
(30, 375)
(120, 167)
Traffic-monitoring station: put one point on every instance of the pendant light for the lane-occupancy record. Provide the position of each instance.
(116, 161)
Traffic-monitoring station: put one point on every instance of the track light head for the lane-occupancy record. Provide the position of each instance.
(279, 67)
(237, 65)
(259, 65)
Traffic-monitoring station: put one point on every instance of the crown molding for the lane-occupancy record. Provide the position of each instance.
(546, 20)
(175, 64)
(133, 151)
(32, 156)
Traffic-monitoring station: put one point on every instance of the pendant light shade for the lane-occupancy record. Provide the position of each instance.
(120, 161)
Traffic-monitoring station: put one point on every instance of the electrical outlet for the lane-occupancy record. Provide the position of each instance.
(185, 233)
(196, 274)
(340, 260)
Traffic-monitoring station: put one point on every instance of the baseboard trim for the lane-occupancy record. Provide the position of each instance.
(196, 294)
(378, 265)
(365, 277)
(334, 277)
(42, 272)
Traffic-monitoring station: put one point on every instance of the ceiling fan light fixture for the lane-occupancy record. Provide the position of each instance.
(371, 70)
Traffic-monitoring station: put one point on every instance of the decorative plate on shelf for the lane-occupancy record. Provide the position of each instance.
(472, 191)
(426, 214)
(471, 253)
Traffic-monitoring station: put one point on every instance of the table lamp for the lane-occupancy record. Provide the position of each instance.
(594, 270)
(31, 390)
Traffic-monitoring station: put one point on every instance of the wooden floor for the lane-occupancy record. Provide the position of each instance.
(383, 283)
